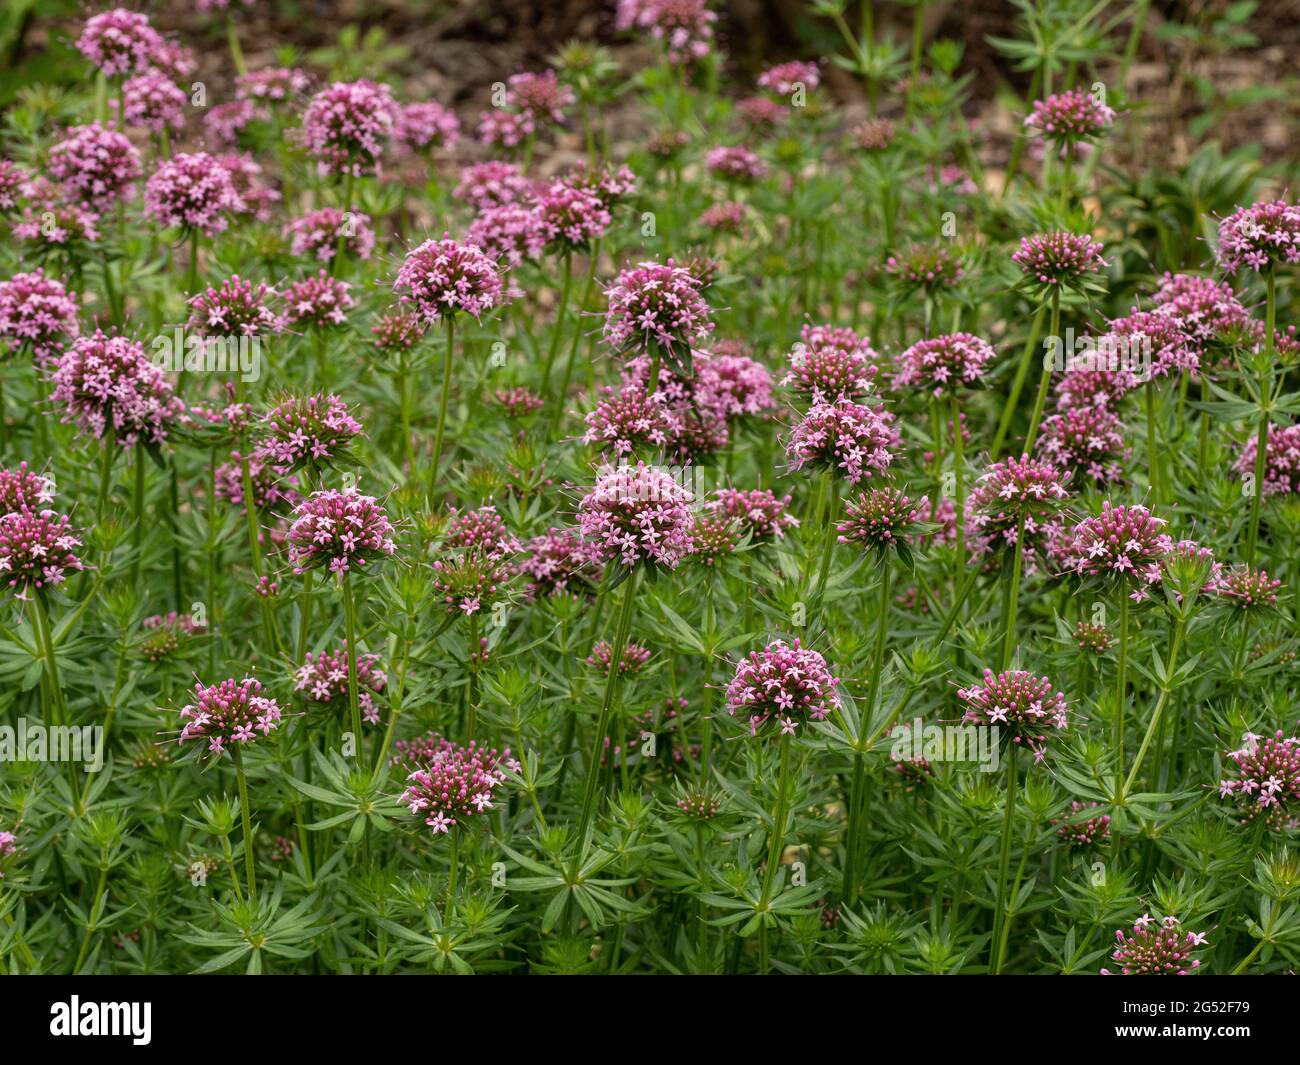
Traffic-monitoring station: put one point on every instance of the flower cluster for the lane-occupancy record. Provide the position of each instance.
(319, 301)
(324, 677)
(1023, 703)
(491, 184)
(848, 438)
(1244, 588)
(929, 268)
(878, 520)
(307, 431)
(37, 312)
(1260, 236)
(270, 491)
(1071, 116)
(735, 164)
(424, 126)
(1077, 830)
(1158, 340)
(232, 711)
(1059, 258)
(656, 304)
(785, 78)
(1156, 949)
(318, 234)
(559, 561)
(1015, 498)
(1125, 542)
(829, 363)
(785, 684)
(685, 27)
(633, 659)
(119, 42)
(24, 489)
(191, 192)
(714, 536)
(154, 102)
(570, 217)
(481, 530)
(540, 96)
(37, 548)
(339, 531)
(470, 580)
(635, 515)
(451, 783)
(237, 308)
(1089, 440)
(1267, 781)
(272, 84)
(107, 384)
(442, 277)
(346, 126)
(628, 421)
(510, 233)
(943, 364)
(95, 166)
(1281, 460)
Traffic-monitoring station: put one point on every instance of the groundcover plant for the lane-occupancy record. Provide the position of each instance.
(675, 520)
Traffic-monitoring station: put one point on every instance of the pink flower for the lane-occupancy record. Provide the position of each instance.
(511, 233)
(424, 126)
(637, 515)
(1086, 439)
(317, 234)
(492, 184)
(396, 331)
(37, 312)
(154, 102)
(878, 520)
(504, 129)
(1245, 589)
(1281, 461)
(482, 530)
(1261, 236)
(541, 96)
(119, 42)
(319, 301)
(21, 489)
(1023, 703)
(560, 561)
(1059, 258)
(1162, 951)
(629, 421)
(237, 308)
(929, 268)
(634, 657)
(1014, 498)
(1205, 308)
(1163, 347)
(1071, 116)
(346, 126)
(442, 277)
(232, 711)
(784, 683)
(191, 192)
(874, 135)
(1093, 388)
(96, 166)
(272, 84)
(450, 784)
(571, 217)
(656, 305)
(829, 363)
(225, 122)
(847, 438)
(1126, 542)
(944, 364)
(758, 511)
(310, 431)
(785, 78)
(1079, 831)
(685, 27)
(714, 536)
(37, 548)
(107, 384)
(341, 532)
(736, 164)
(1267, 781)
(324, 677)
(272, 490)
(255, 197)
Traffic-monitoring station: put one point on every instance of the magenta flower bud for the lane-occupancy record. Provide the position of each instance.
(319, 301)
(634, 658)
(1267, 779)
(879, 520)
(37, 548)
(1014, 498)
(1126, 543)
(784, 685)
(1059, 258)
(1281, 460)
(829, 363)
(23, 489)
(1070, 117)
(758, 511)
(1022, 703)
(450, 784)
(847, 438)
(1156, 949)
(232, 711)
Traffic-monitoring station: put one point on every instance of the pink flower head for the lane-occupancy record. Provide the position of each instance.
(492, 184)
(499, 128)
(1069, 117)
(310, 431)
(191, 192)
(874, 135)
(319, 301)
(926, 267)
(317, 234)
(879, 520)
(95, 166)
(634, 658)
(1023, 703)
(237, 308)
(1124, 542)
(1281, 460)
(1156, 949)
(232, 711)
(785, 78)
(107, 383)
(1259, 237)
(426, 125)
(119, 42)
(1205, 308)
(1076, 830)
(829, 363)
(942, 365)
(570, 217)
(724, 217)
(684, 27)
(225, 122)
(324, 678)
(540, 96)
(396, 331)
(442, 277)
(785, 684)
(272, 85)
(346, 126)
(629, 421)
(511, 233)
(450, 784)
(1267, 780)
(714, 536)
(12, 179)
(637, 515)
(1087, 439)
(1059, 258)
(736, 385)
(37, 548)
(1093, 388)
(37, 312)
(255, 196)
(1012, 498)
(272, 489)
(736, 164)
(560, 561)
(1155, 340)
(482, 530)
(154, 102)
(758, 511)
(342, 532)
(848, 438)
(518, 402)
(656, 305)
(23, 489)
(1245, 589)
(609, 184)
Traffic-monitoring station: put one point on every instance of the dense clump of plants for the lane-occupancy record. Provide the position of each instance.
(799, 538)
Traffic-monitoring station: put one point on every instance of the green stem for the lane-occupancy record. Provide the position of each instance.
(1045, 381)
(566, 283)
(1004, 860)
(238, 755)
(1261, 438)
(1121, 684)
(350, 625)
(1017, 385)
(442, 407)
(1175, 646)
(776, 847)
